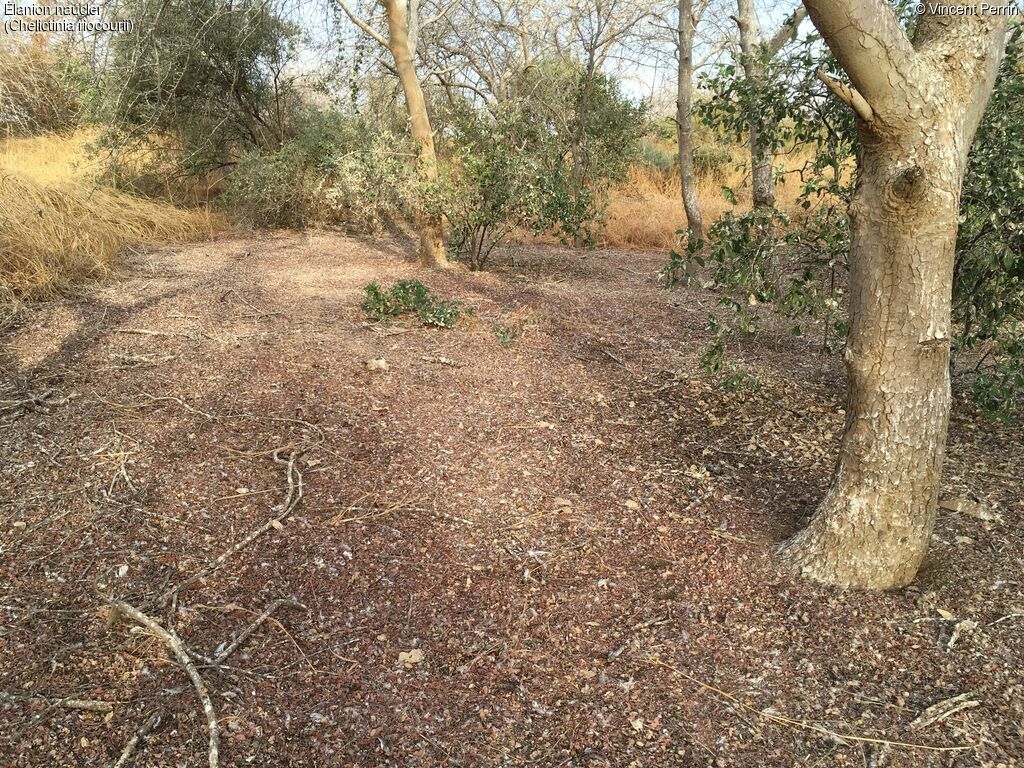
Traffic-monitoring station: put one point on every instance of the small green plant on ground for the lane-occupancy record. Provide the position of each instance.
(411, 297)
(508, 334)
(513, 329)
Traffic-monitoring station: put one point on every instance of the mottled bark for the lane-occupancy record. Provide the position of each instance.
(684, 122)
(873, 526)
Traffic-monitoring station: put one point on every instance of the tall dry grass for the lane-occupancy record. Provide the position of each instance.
(59, 227)
(647, 210)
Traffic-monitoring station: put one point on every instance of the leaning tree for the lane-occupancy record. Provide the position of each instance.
(918, 100)
(403, 26)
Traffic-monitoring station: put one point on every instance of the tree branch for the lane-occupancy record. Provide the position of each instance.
(362, 24)
(871, 46)
(849, 95)
(787, 31)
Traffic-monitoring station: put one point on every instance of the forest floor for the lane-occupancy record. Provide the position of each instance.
(548, 544)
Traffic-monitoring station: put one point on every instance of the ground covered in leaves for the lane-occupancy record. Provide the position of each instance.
(543, 537)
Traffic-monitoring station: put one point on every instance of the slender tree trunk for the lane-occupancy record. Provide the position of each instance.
(684, 123)
(580, 161)
(761, 159)
(917, 113)
(431, 252)
(756, 53)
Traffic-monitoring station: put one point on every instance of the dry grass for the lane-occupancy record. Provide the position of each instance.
(646, 210)
(59, 227)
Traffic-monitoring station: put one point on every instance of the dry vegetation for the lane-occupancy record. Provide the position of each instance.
(59, 227)
(647, 210)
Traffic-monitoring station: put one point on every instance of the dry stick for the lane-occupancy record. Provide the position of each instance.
(941, 710)
(172, 641)
(151, 722)
(295, 491)
(782, 720)
(216, 660)
(148, 332)
(89, 705)
(247, 632)
(28, 403)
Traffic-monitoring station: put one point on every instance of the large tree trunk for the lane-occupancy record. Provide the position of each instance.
(917, 113)
(432, 252)
(684, 123)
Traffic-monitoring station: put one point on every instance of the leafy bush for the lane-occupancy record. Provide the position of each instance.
(998, 388)
(988, 282)
(654, 156)
(585, 132)
(542, 160)
(333, 172)
(493, 183)
(199, 83)
(44, 86)
(410, 296)
(712, 161)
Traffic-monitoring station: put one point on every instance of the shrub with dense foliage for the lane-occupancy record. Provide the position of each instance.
(334, 170)
(542, 160)
(410, 297)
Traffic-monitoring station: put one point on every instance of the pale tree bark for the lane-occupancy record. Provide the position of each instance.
(918, 105)
(755, 54)
(684, 121)
(403, 30)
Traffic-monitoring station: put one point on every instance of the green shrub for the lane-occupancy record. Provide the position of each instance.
(712, 161)
(411, 296)
(492, 181)
(273, 189)
(657, 158)
(332, 172)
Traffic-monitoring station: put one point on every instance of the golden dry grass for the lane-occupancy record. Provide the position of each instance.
(59, 227)
(647, 210)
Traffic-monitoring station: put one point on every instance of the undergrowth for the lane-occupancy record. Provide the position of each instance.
(411, 297)
(59, 228)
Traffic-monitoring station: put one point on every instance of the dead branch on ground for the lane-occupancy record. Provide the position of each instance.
(294, 496)
(174, 643)
(144, 730)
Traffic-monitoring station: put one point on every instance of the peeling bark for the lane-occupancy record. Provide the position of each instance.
(873, 526)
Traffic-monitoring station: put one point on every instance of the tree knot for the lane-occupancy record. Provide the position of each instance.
(908, 185)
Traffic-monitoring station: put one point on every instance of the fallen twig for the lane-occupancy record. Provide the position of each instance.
(221, 656)
(943, 709)
(90, 705)
(153, 399)
(146, 728)
(367, 513)
(28, 403)
(174, 643)
(441, 361)
(783, 720)
(295, 491)
(148, 332)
